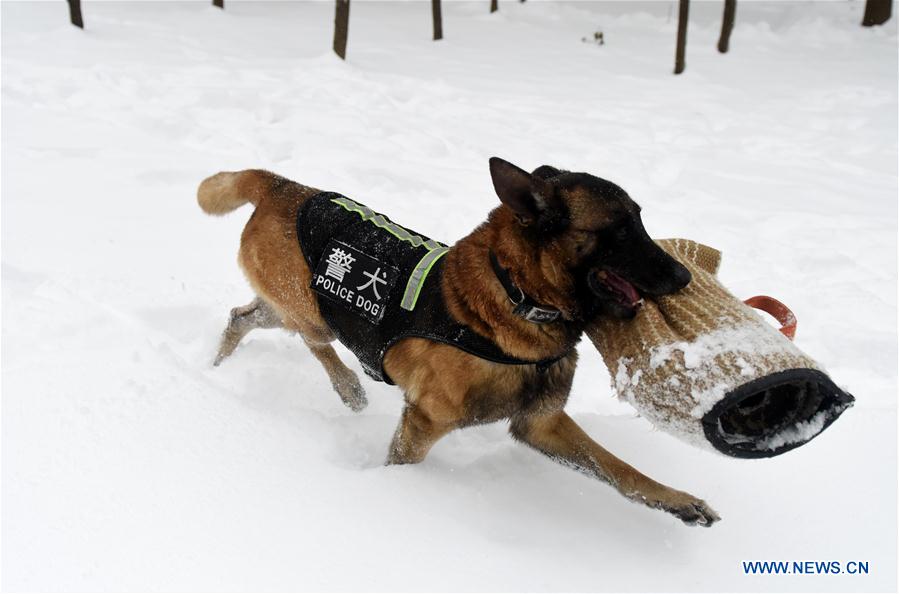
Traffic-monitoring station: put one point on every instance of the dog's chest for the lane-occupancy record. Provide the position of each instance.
(502, 392)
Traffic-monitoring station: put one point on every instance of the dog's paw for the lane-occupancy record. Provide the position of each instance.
(224, 352)
(692, 511)
(352, 393)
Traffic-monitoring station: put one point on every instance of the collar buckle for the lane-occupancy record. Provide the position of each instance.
(536, 314)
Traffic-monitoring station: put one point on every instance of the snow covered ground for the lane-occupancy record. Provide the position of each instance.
(128, 462)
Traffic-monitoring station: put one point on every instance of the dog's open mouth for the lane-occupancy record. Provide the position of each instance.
(605, 283)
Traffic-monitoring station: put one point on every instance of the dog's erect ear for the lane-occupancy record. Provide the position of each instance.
(526, 195)
(546, 172)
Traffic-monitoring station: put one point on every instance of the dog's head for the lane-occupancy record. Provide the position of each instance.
(591, 228)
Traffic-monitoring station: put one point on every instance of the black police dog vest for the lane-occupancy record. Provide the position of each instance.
(378, 283)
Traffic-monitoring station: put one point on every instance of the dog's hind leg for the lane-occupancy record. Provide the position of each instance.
(256, 314)
(259, 314)
(343, 379)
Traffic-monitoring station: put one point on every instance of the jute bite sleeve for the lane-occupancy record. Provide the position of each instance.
(702, 365)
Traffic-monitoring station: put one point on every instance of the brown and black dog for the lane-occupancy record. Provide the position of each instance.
(571, 241)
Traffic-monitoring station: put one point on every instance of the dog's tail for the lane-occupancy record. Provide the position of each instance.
(228, 190)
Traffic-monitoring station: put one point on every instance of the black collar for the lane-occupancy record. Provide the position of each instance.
(525, 307)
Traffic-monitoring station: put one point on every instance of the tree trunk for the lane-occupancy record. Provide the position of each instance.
(219, 3)
(75, 13)
(681, 36)
(341, 24)
(877, 12)
(493, 6)
(727, 25)
(438, 19)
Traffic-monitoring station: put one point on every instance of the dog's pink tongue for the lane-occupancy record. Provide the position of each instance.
(624, 287)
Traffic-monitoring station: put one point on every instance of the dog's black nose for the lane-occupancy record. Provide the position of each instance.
(680, 277)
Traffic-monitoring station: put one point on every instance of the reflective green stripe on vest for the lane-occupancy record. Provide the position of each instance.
(379, 221)
(418, 276)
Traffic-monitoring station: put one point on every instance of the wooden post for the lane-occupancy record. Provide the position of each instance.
(877, 12)
(219, 3)
(75, 13)
(727, 25)
(438, 19)
(681, 36)
(493, 6)
(341, 24)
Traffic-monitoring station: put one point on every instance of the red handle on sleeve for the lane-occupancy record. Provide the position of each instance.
(778, 310)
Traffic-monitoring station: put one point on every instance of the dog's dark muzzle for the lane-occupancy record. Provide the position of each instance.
(673, 277)
(652, 270)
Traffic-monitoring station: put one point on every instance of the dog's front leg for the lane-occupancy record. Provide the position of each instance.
(417, 432)
(559, 437)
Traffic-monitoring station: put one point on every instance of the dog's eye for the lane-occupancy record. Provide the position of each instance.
(622, 233)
